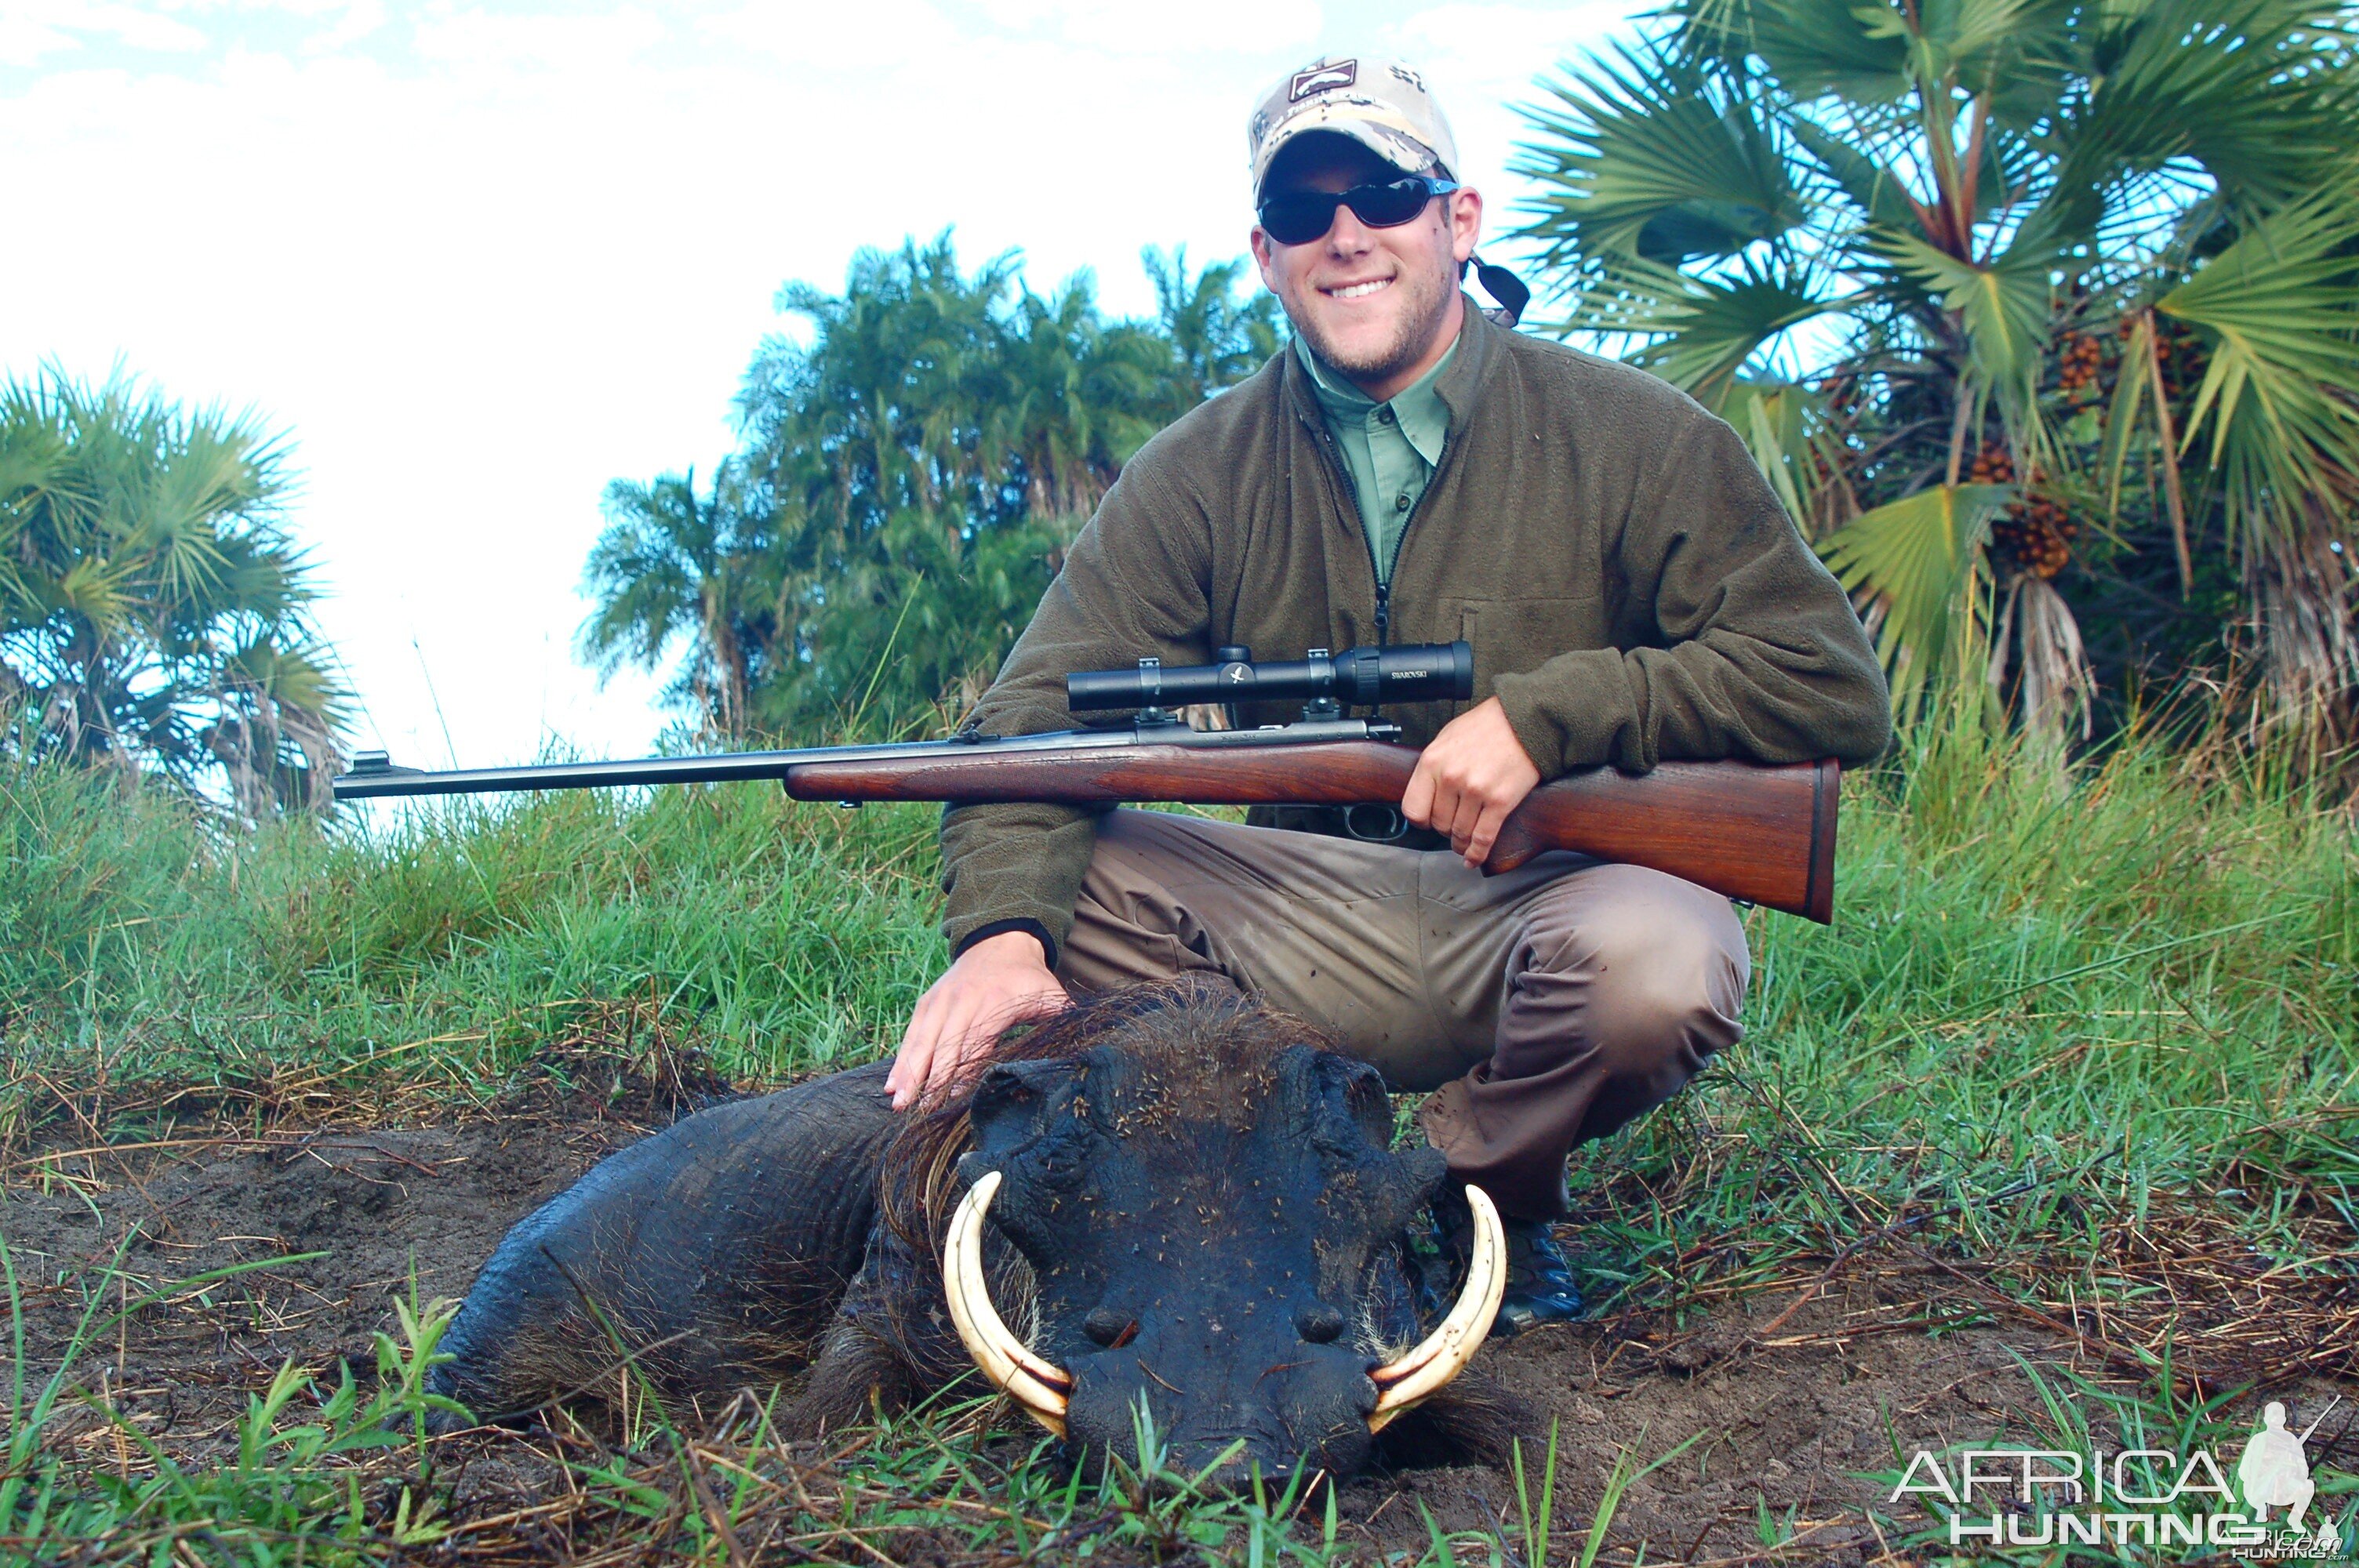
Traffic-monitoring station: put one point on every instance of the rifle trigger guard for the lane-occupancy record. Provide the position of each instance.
(1375, 823)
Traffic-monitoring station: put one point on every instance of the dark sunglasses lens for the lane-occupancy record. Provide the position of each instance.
(1388, 206)
(1299, 217)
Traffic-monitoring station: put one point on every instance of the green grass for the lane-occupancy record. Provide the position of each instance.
(2091, 993)
(2060, 1010)
(783, 937)
(2150, 954)
(290, 1483)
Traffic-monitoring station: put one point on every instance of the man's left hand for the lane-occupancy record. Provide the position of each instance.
(1466, 782)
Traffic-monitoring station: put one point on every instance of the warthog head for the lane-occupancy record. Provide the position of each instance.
(1216, 1229)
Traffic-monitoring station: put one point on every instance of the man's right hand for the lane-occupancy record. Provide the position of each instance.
(1001, 980)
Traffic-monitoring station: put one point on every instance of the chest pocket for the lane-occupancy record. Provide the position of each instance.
(1512, 635)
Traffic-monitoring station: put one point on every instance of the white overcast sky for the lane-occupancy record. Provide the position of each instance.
(480, 259)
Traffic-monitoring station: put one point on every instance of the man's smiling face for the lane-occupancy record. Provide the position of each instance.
(1380, 305)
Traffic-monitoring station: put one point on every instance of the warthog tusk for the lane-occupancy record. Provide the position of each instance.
(1037, 1385)
(1443, 1354)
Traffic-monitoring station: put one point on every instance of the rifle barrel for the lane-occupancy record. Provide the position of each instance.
(373, 776)
(372, 780)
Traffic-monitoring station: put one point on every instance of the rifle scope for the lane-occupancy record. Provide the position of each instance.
(1420, 672)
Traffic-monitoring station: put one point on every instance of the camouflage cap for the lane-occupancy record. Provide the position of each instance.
(1380, 103)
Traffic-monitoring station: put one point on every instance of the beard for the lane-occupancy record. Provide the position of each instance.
(1424, 306)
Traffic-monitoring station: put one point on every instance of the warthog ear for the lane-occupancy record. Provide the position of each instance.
(1350, 1119)
(1013, 1104)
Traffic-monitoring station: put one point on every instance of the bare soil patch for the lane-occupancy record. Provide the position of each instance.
(1795, 1406)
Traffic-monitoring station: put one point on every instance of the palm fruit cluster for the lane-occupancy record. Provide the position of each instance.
(2080, 365)
(2036, 531)
(2038, 534)
(1992, 465)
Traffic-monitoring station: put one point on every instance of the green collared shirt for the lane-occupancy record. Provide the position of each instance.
(1389, 448)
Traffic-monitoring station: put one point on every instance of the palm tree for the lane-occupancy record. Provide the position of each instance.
(1218, 337)
(912, 470)
(1075, 396)
(1994, 288)
(881, 449)
(154, 613)
(674, 566)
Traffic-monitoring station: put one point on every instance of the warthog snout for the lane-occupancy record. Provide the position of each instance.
(1216, 1246)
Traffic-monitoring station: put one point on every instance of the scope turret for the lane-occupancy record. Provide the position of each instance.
(1420, 672)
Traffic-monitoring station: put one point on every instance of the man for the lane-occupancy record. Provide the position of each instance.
(1408, 472)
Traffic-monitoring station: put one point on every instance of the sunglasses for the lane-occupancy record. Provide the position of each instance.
(1299, 217)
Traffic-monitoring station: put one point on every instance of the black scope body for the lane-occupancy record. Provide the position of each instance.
(1416, 672)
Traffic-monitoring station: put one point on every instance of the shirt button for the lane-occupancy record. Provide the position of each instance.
(1401, 502)
(1384, 415)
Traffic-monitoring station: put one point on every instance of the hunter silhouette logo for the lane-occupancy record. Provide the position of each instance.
(2275, 1472)
(1319, 77)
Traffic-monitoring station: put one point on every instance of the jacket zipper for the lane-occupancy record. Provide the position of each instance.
(1384, 579)
(1382, 571)
(1340, 475)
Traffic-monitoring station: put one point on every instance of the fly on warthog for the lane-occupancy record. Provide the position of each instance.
(1186, 1204)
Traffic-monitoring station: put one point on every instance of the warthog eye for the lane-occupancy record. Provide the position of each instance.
(1110, 1328)
(1320, 1324)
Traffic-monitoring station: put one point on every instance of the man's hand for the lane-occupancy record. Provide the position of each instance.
(1000, 980)
(1468, 779)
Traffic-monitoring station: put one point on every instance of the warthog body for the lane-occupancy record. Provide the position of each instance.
(1199, 1210)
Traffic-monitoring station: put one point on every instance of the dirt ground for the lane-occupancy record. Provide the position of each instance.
(1794, 1407)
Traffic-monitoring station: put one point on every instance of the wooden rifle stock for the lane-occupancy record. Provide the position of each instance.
(1765, 835)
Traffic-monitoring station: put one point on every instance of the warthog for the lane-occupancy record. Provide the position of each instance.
(1189, 1204)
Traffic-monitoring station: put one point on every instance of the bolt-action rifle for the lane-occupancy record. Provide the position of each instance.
(1761, 834)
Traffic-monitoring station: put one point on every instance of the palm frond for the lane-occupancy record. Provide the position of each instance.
(1908, 563)
(2004, 306)
(1878, 191)
(2012, 56)
(1653, 160)
(2246, 90)
(2053, 680)
(1858, 51)
(2279, 309)
(1707, 329)
(1779, 423)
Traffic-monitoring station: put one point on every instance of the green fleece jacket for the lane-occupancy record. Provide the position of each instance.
(1632, 587)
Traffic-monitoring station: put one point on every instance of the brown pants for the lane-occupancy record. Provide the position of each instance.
(1543, 1007)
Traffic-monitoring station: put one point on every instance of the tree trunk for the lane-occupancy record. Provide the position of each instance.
(2304, 593)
